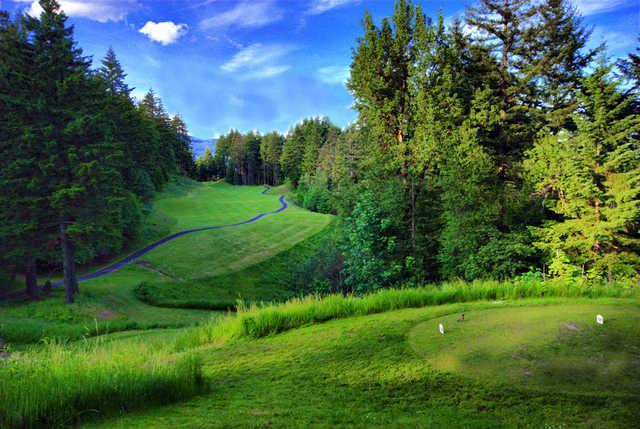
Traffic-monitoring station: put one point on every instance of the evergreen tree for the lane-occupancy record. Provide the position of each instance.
(81, 160)
(252, 160)
(113, 75)
(380, 84)
(23, 204)
(205, 166)
(152, 107)
(505, 28)
(271, 151)
(182, 146)
(127, 127)
(557, 60)
(293, 154)
(589, 179)
(630, 68)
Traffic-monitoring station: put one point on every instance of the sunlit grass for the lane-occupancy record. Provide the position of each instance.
(60, 383)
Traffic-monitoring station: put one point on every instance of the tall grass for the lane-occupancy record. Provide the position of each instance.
(60, 383)
(256, 321)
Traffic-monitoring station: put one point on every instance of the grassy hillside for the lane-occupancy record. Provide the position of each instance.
(277, 278)
(109, 303)
(528, 354)
(377, 371)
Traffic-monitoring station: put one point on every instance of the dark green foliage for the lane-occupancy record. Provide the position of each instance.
(371, 246)
(238, 159)
(205, 168)
(270, 152)
(301, 149)
(630, 67)
(313, 193)
(558, 60)
(77, 155)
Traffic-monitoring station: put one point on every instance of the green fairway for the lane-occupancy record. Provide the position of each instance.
(542, 347)
(365, 372)
(109, 303)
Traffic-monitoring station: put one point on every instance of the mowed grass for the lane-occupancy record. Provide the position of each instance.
(109, 304)
(275, 279)
(364, 372)
(542, 347)
(222, 251)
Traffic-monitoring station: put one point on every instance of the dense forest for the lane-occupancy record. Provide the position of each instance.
(492, 147)
(79, 158)
(489, 147)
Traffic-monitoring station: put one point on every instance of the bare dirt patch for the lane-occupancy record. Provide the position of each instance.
(108, 314)
(148, 266)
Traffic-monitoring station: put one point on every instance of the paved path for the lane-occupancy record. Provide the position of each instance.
(136, 255)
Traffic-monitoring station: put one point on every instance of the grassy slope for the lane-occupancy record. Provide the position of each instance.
(273, 279)
(364, 372)
(109, 303)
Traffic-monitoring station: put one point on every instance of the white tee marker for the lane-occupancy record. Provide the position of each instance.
(600, 319)
(441, 329)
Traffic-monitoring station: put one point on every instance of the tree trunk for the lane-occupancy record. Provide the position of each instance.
(31, 278)
(413, 217)
(68, 266)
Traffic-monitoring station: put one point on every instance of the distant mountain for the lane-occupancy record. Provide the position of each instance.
(199, 145)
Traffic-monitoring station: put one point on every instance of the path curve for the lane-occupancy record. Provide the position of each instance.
(136, 255)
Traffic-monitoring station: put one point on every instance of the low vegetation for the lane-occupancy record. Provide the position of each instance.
(259, 321)
(294, 272)
(363, 372)
(60, 383)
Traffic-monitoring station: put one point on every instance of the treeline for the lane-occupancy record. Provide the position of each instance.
(487, 148)
(252, 158)
(78, 157)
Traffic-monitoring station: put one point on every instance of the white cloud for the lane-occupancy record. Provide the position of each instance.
(164, 33)
(334, 75)
(235, 101)
(322, 6)
(592, 7)
(258, 61)
(617, 43)
(97, 10)
(265, 72)
(151, 61)
(253, 55)
(249, 14)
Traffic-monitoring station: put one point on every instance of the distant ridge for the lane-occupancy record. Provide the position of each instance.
(199, 145)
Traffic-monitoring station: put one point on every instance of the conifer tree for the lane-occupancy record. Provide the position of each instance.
(380, 84)
(182, 147)
(293, 154)
(630, 68)
(113, 75)
(23, 204)
(204, 165)
(557, 57)
(589, 178)
(270, 151)
(82, 162)
(504, 27)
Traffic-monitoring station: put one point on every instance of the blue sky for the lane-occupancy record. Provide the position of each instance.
(262, 64)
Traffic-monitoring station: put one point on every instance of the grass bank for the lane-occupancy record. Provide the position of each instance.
(59, 383)
(276, 279)
(364, 372)
(257, 321)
